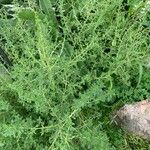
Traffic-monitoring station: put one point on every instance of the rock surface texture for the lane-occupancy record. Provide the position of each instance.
(135, 118)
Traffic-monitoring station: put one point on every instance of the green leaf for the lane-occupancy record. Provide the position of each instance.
(140, 74)
(46, 6)
(27, 14)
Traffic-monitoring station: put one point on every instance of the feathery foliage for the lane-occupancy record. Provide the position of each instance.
(74, 63)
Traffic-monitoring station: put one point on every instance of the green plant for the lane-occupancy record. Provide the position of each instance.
(72, 68)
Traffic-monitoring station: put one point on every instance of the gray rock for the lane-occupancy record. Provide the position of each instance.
(135, 118)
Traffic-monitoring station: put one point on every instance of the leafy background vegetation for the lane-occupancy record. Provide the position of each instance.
(74, 63)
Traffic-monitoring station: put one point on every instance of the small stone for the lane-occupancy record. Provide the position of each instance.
(135, 118)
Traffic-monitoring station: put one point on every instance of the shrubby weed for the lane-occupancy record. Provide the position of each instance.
(71, 70)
